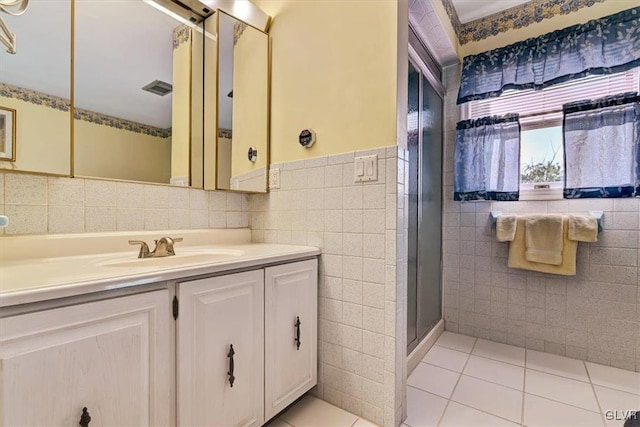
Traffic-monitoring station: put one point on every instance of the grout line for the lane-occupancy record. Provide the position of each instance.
(617, 389)
(473, 376)
(485, 412)
(563, 403)
(524, 387)
(457, 382)
(595, 394)
(558, 375)
(502, 361)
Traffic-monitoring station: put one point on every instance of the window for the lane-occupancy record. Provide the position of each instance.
(541, 145)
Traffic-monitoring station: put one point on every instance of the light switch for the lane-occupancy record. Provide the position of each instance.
(366, 168)
(369, 167)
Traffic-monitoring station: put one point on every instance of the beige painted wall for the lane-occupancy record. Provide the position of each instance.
(107, 152)
(596, 11)
(42, 143)
(250, 101)
(334, 69)
(181, 110)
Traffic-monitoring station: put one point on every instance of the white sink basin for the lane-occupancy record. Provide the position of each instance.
(182, 257)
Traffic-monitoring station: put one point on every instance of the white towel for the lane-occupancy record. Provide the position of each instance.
(583, 228)
(506, 228)
(543, 239)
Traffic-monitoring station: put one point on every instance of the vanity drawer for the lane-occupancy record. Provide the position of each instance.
(110, 356)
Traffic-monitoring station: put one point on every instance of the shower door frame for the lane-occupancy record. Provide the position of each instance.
(422, 61)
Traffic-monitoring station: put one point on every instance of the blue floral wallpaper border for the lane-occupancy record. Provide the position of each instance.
(61, 104)
(122, 124)
(34, 97)
(181, 34)
(453, 17)
(512, 18)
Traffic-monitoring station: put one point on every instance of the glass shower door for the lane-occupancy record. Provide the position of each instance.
(425, 207)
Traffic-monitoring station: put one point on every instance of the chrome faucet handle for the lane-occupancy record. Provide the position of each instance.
(164, 246)
(144, 248)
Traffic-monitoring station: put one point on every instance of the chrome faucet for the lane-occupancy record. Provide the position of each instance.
(164, 247)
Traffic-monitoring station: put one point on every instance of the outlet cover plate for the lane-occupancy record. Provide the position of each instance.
(274, 179)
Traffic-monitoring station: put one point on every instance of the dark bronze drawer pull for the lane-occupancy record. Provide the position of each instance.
(231, 365)
(297, 339)
(85, 418)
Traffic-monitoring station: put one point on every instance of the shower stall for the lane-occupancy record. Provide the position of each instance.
(425, 115)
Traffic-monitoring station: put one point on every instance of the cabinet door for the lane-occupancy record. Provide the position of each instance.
(215, 314)
(291, 294)
(110, 356)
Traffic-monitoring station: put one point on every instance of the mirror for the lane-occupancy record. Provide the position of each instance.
(242, 108)
(138, 93)
(35, 90)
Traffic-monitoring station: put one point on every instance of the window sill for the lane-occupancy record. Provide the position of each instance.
(553, 193)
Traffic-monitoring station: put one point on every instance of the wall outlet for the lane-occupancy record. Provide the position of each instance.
(365, 168)
(274, 179)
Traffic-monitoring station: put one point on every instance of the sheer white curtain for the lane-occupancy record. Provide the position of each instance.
(487, 159)
(602, 147)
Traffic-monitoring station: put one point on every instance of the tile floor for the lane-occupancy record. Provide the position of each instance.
(464, 381)
(312, 412)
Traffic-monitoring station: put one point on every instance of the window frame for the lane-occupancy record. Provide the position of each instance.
(528, 191)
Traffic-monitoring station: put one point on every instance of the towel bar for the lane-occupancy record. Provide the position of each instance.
(598, 215)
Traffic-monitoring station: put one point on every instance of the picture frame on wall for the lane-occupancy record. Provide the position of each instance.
(7, 134)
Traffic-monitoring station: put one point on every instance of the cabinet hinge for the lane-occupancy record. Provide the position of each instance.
(175, 307)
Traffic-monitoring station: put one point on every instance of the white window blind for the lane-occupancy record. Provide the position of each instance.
(550, 100)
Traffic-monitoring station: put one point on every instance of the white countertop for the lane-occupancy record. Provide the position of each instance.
(30, 280)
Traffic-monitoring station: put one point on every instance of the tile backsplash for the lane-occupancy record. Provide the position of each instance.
(362, 325)
(39, 204)
(593, 316)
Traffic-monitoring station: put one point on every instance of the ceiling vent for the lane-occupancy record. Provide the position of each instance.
(158, 87)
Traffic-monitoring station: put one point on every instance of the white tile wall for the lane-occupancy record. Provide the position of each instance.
(593, 316)
(360, 306)
(39, 204)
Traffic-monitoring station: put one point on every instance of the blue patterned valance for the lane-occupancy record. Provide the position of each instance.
(486, 159)
(602, 46)
(602, 147)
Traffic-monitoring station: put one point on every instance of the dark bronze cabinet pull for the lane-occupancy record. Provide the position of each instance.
(231, 367)
(297, 339)
(85, 418)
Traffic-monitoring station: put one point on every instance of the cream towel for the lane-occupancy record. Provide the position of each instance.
(583, 228)
(543, 239)
(506, 228)
(517, 250)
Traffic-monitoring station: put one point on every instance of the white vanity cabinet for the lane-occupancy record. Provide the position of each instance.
(110, 356)
(257, 312)
(221, 351)
(230, 349)
(291, 324)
